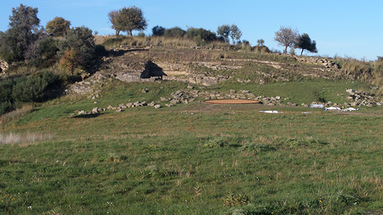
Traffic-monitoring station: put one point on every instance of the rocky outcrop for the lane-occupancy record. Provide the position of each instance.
(90, 85)
(143, 71)
(198, 79)
(315, 60)
(360, 98)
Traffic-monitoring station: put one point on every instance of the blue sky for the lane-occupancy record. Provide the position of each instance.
(345, 28)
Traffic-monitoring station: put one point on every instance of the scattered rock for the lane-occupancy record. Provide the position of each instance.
(95, 110)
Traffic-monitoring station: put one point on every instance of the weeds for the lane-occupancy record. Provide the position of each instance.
(233, 199)
(216, 142)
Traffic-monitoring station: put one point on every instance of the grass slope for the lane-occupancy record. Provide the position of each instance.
(196, 158)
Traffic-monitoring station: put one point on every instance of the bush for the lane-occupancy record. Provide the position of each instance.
(200, 35)
(261, 49)
(174, 32)
(34, 88)
(236, 199)
(6, 96)
(5, 107)
(81, 40)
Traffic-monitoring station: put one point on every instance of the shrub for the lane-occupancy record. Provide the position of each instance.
(200, 35)
(70, 60)
(47, 48)
(261, 49)
(81, 40)
(236, 199)
(6, 96)
(34, 88)
(174, 32)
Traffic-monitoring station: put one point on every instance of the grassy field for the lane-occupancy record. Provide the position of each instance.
(196, 158)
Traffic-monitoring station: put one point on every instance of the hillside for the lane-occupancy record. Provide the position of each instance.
(133, 136)
(252, 73)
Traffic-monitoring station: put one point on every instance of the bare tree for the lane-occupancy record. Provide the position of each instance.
(286, 37)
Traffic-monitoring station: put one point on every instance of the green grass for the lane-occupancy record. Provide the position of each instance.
(197, 158)
(145, 162)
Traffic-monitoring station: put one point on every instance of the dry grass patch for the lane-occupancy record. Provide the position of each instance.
(24, 139)
(16, 114)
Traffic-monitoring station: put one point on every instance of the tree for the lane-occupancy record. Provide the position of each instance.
(23, 31)
(158, 31)
(70, 60)
(235, 33)
(113, 19)
(58, 26)
(224, 31)
(81, 40)
(286, 37)
(129, 19)
(260, 42)
(304, 42)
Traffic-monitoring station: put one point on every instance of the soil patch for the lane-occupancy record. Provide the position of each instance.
(232, 101)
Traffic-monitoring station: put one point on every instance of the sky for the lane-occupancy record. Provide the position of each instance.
(344, 28)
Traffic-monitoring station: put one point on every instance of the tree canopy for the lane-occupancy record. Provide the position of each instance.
(158, 31)
(304, 42)
(80, 42)
(58, 26)
(235, 33)
(286, 37)
(112, 15)
(128, 19)
(24, 31)
(224, 32)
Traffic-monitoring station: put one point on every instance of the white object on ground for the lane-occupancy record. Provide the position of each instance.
(350, 109)
(269, 111)
(333, 108)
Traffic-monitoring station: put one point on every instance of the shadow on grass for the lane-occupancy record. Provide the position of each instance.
(87, 116)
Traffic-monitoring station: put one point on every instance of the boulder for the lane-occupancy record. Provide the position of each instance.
(95, 110)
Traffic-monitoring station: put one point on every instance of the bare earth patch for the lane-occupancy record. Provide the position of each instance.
(232, 101)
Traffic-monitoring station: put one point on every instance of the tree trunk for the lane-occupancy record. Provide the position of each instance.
(285, 51)
(130, 31)
(302, 52)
